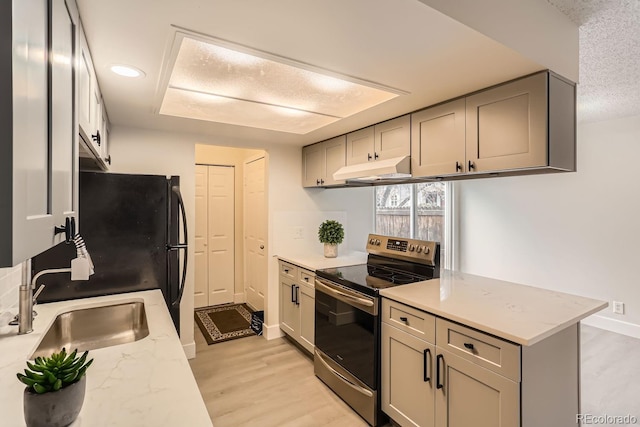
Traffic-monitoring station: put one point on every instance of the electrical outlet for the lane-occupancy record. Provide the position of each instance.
(618, 307)
(297, 232)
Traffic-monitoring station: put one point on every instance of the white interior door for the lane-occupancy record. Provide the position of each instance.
(255, 226)
(201, 233)
(221, 234)
(214, 235)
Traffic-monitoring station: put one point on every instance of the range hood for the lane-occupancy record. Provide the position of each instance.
(388, 169)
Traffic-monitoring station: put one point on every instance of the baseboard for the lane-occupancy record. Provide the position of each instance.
(613, 325)
(239, 298)
(190, 350)
(271, 332)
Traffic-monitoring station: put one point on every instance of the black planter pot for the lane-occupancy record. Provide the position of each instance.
(54, 409)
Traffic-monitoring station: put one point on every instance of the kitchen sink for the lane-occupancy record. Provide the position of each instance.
(96, 327)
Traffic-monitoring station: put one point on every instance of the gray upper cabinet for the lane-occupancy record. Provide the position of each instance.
(321, 160)
(525, 126)
(360, 146)
(506, 126)
(385, 140)
(438, 140)
(392, 138)
(38, 167)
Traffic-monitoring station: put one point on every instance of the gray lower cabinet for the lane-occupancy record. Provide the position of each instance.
(297, 304)
(38, 163)
(436, 372)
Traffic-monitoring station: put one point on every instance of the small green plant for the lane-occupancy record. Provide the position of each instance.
(331, 232)
(55, 372)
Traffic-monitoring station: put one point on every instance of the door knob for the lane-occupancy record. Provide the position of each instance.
(261, 246)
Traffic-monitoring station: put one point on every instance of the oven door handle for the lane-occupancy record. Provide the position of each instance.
(356, 387)
(345, 297)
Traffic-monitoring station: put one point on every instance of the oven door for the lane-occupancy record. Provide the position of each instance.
(346, 327)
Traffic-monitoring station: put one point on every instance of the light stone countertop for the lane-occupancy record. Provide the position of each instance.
(522, 314)
(144, 383)
(318, 262)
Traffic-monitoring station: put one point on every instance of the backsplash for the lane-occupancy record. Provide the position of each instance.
(9, 283)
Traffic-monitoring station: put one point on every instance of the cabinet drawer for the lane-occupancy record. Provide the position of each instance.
(413, 321)
(493, 353)
(288, 270)
(306, 276)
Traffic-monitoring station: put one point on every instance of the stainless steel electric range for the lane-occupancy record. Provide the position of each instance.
(347, 321)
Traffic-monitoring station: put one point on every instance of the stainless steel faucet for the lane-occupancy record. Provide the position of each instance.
(25, 302)
(28, 299)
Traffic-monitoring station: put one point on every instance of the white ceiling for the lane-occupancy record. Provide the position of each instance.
(609, 56)
(398, 43)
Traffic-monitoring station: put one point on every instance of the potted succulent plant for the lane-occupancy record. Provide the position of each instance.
(331, 234)
(55, 389)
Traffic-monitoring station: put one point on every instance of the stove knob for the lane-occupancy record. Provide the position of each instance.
(412, 248)
(426, 250)
(377, 242)
(419, 249)
(371, 241)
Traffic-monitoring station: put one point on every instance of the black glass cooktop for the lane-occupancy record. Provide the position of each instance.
(378, 273)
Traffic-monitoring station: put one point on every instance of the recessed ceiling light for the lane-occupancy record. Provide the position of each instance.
(127, 71)
(262, 90)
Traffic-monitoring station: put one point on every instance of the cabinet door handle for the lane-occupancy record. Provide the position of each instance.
(96, 137)
(458, 167)
(425, 362)
(375, 156)
(297, 295)
(321, 181)
(404, 319)
(306, 279)
(368, 156)
(468, 345)
(439, 383)
(317, 182)
(108, 159)
(293, 293)
(471, 165)
(286, 270)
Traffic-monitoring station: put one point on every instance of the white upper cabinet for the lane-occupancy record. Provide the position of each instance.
(320, 161)
(38, 167)
(92, 115)
(385, 140)
(438, 140)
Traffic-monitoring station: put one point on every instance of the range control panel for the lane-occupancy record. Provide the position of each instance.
(421, 251)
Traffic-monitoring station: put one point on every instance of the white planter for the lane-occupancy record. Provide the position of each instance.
(330, 251)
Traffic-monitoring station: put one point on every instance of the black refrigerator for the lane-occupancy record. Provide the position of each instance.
(135, 230)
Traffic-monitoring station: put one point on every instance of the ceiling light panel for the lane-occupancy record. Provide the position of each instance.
(202, 106)
(203, 67)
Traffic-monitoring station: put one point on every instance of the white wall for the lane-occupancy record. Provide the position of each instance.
(10, 279)
(575, 232)
(291, 206)
(163, 153)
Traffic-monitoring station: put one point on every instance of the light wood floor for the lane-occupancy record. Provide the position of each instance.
(255, 382)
